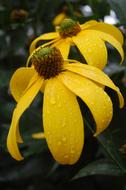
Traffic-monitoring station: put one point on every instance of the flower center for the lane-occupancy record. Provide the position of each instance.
(47, 61)
(69, 28)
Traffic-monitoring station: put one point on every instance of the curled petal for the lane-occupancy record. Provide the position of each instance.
(63, 123)
(110, 39)
(96, 75)
(59, 18)
(19, 81)
(18, 135)
(88, 24)
(95, 98)
(23, 104)
(48, 36)
(89, 46)
(109, 29)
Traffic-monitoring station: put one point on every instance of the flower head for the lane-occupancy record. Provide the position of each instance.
(61, 83)
(89, 38)
(18, 15)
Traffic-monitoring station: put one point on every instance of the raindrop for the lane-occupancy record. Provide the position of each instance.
(63, 123)
(78, 153)
(52, 100)
(89, 50)
(103, 120)
(66, 156)
(48, 111)
(29, 97)
(100, 45)
(92, 103)
(48, 133)
(72, 151)
(64, 139)
(75, 120)
(59, 143)
(59, 105)
(86, 39)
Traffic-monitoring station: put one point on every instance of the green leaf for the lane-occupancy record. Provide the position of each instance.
(99, 167)
(110, 148)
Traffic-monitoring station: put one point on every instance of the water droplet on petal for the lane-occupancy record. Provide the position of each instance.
(92, 103)
(48, 133)
(86, 39)
(103, 120)
(63, 122)
(66, 156)
(59, 105)
(72, 151)
(78, 153)
(64, 139)
(89, 50)
(48, 111)
(59, 143)
(52, 100)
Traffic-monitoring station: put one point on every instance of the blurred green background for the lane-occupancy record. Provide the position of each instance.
(103, 162)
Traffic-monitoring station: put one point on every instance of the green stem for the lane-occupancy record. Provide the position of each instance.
(106, 149)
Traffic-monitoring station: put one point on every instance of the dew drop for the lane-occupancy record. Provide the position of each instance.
(59, 143)
(103, 120)
(78, 153)
(63, 123)
(100, 45)
(86, 39)
(48, 111)
(92, 103)
(29, 97)
(66, 156)
(59, 105)
(72, 151)
(64, 139)
(89, 50)
(75, 120)
(52, 100)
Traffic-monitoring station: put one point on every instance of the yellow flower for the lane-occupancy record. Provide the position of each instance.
(61, 84)
(89, 38)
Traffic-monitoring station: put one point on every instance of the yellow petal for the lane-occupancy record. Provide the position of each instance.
(63, 123)
(48, 36)
(18, 136)
(95, 98)
(38, 135)
(92, 48)
(19, 81)
(64, 46)
(22, 105)
(96, 75)
(88, 24)
(110, 39)
(58, 19)
(109, 29)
